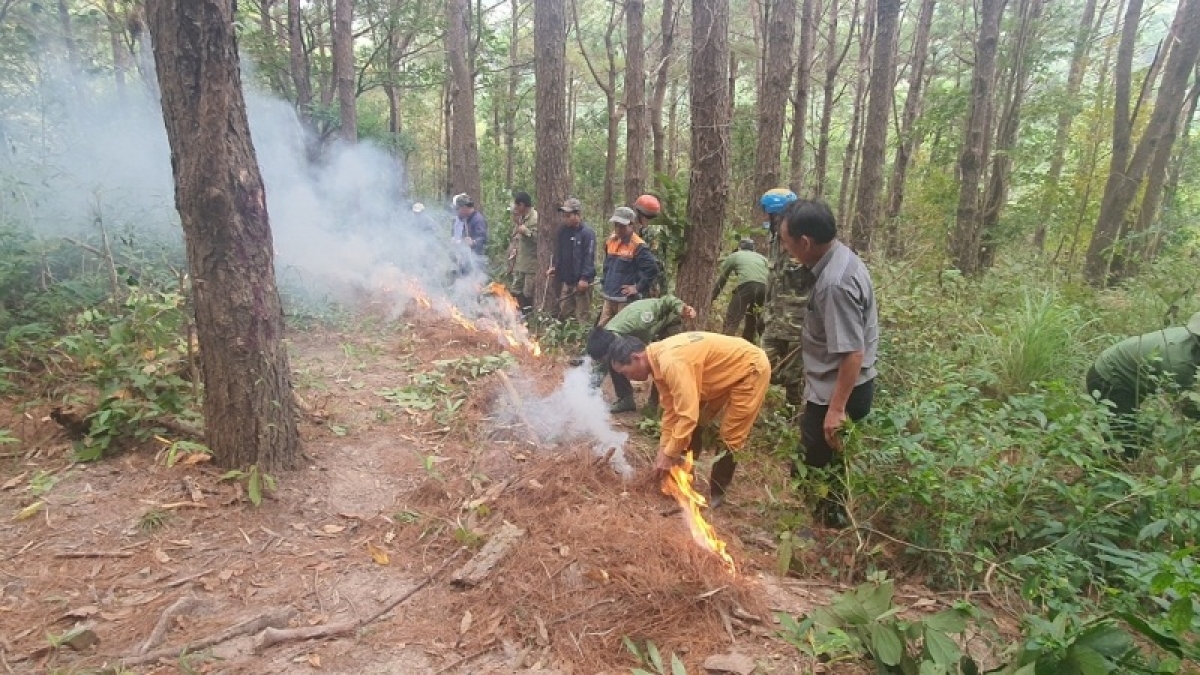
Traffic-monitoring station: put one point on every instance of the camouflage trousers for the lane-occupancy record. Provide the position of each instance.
(787, 368)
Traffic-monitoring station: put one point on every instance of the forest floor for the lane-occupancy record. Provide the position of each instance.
(393, 500)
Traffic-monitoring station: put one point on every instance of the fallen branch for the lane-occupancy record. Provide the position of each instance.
(93, 554)
(495, 550)
(180, 606)
(190, 577)
(464, 660)
(273, 636)
(275, 619)
(181, 428)
(519, 405)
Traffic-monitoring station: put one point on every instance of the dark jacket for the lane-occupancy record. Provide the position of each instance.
(477, 229)
(628, 264)
(575, 255)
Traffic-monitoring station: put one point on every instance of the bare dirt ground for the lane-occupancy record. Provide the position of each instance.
(391, 499)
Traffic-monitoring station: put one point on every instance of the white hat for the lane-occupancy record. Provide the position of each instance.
(418, 207)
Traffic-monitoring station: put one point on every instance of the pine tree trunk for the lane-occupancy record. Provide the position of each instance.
(661, 74)
(810, 10)
(1029, 12)
(1123, 183)
(637, 128)
(464, 143)
(116, 42)
(550, 127)
(851, 158)
(833, 63)
(248, 410)
(343, 68)
(965, 242)
(1070, 109)
(510, 103)
(1170, 190)
(874, 148)
(907, 142)
(298, 61)
(772, 103)
(709, 185)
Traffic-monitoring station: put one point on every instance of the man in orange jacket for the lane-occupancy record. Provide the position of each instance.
(699, 376)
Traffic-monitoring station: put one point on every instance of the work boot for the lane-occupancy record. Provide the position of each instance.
(623, 404)
(720, 478)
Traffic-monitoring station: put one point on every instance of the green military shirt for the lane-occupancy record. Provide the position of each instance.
(645, 319)
(526, 262)
(747, 265)
(1134, 363)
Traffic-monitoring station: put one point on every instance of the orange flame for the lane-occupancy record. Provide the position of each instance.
(503, 319)
(679, 485)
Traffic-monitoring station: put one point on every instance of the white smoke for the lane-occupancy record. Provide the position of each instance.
(574, 412)
(342, 225)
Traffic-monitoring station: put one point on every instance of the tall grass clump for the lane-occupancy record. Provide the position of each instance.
(1039, 342)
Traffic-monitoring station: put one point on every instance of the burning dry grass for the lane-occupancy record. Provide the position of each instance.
(601, 560)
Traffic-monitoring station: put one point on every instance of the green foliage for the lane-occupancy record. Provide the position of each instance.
(1066, 646)
(183, 448)
(1035, 343)
(134, 355)
(254, 480)
(651, 658)
(866, 620)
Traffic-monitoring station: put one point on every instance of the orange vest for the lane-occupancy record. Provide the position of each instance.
(624, 249)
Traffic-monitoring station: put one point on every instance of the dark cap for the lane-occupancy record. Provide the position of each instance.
(461, 200)
(572, 205)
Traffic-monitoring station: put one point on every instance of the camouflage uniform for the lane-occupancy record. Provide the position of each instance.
(788, 286)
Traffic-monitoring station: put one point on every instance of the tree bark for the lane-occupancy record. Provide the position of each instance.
(343, 68)
(1068, 112)
(248, 410)
(298, 61)
(772, 103)
(883, 74)
(464, 144)
(550, 127)
(660, 85)
(637, 128)
(809, 10)
(1170, 190)
(1121, 189)
(907, 142)
(833, 63)
(709, 184)
(510, 103)
(965, 241)
(851, 158)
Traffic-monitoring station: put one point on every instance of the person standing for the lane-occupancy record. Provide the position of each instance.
(699, 376)
(750, 267)
(524, 240)
(629, 266)
(839, 344)
(470, 229)
(788, 286)
(649, 320)
(647, 208)
(574, 265)
(1138, 367)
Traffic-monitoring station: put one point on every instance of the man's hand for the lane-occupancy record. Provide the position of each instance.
(689, 312)
(550, 272)
(468, 241)
(664, 463)
(582, 285)
(834, 420)
(629, 290)
(522, 230)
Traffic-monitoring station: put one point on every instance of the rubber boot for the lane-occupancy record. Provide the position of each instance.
(720, 478)
(623, 404)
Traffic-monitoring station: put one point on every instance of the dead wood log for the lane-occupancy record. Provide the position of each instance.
(184, 604)
(275, 619)
(498, 546)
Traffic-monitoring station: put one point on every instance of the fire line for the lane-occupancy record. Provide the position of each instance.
(679, 485)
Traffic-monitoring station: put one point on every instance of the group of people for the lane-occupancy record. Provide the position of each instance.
(814, 304)
(810, 304)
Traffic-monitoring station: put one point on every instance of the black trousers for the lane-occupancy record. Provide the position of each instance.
(722, 471)
(819, 454)
(746, 304)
